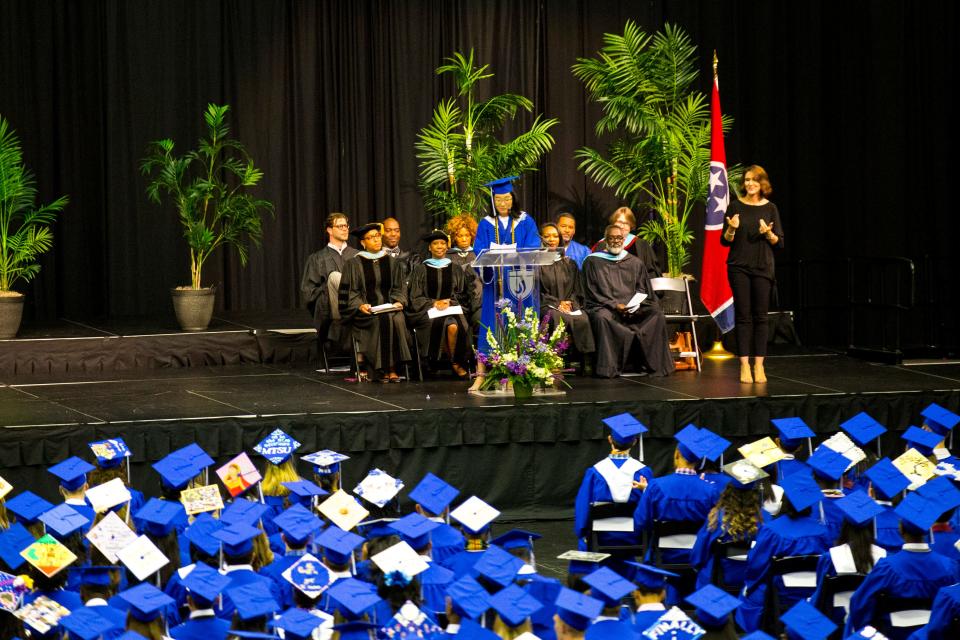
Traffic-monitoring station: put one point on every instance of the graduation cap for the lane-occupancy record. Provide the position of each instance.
(801, 489)
(298, 524)
(297, 623)
(917, 513)
(581, 563)
(624, 429)
(304, 490)
(378, 487)
(434, 494)
(498, 566)
(195, 454)
(576, 609)
(762, 453)
(309, 575)
(713, 605)
(758, 635)
(146, 601)
(402, 559)
(250, 635)
(744, 473)
(48, 555)
(159, 517)
(805, 621)
(516, 539)
(360, 630)
(827, 463)
(922, 440)
(415, 529)
(131, 635)
(277, 447)
(514, 605)
(142, 557)
(110, 453)
(649, 577)
(475, 515)
(5, 488)
(436, 234)
(107, 495)
(337, 544)
(253, 599)
(501, 186)
(468, 598)
(237, 538)
(858, 507)
(72, 472)
(28, 507)
(699, 444)
(343, 510)
(942, 491)
(791, 431)
(608, 586)
(325, 462)
(86, 624)
(374, 529)
(470, 630)
(64, 520)
(244, 511)
(200, 533)
(863, 429)
(359, 232)
(940, 420)
(353, 596)
(887, 480)
(12, 541)
(205, 583)
(97, 575)
(176, 471)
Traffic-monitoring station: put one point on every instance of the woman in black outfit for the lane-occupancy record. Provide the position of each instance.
(752, 230)
(561, 294)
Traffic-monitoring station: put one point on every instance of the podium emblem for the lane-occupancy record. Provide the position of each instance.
(521, 282)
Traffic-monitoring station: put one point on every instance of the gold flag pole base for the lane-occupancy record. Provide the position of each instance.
(717, 352)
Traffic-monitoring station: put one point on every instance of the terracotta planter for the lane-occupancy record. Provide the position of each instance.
(11, 312)
(194, 307)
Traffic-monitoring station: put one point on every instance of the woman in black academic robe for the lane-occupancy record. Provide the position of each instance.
(561, 293)
(462, 230)
(438, 283)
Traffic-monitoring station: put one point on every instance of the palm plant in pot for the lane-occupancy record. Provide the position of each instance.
(209, 188)
(25, 232)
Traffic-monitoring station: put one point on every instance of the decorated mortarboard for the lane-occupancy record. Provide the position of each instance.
(343, 510)
(713, 605)
(298, 524)
(309, 575)
(887, 478)
(244, 512)
(201, 499)
(921, 440)
(498, 566)
(205, 582)
(86, 624)
(41, 615)
(805, 621)
(434, 494)
(939, 419)
(253, 599)
(200, 533)
(108, 495)
(110, 453)
(304, 490)
(516, 539)
(501, 186)
(28, 507)
(359, 630)
(277, 447)
(468, 597)
(792, 431)
(326, 461)
(475, 515)
(353, 596)
(159, 517)
(64, 520)
(624, 428)
(110, 535)
(378, 488)
(297, 623)
(744, 473)
(195, 454)
(338, 544)
(762, 453)
(12, 542)
(608, 586)
(858, 507)
(827, 463)
(362, 230)
(650, 577)
(5, 488)
(918, 512)
(942, 491)
(142, 558)
(915, 466)
(239, 474)
(842, 444)
(402, 559)
(237, 538)
(582, 562)
(863, 429)
(577, 609)
(146, 601)
(72, 472)
(514, 605)
(48, 556)
(415, 529)
(802, 490)
(176, 471)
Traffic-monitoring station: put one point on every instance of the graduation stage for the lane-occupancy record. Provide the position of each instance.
(64, 385)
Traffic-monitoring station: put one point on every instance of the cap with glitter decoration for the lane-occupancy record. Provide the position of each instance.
(650, 577)
(863, 429)
(917, 513)
(298, 524)
(475, 515)
(12, 542)
(146, 601)
(277, 447)
(159, 517)
(608, 586)
(827, 463)
(921, 440)
(942, 491)
(86, 624)
(200, 533)
(64, 520)
(792, 431)
(72, 472)
(886, 478)
(939, 419)
(338, 544)
(110, 453)
(577, 609)
(253, 599)
(325, 462)
(434, 494)
(176, 471)
(28, 507)
(624, 428)
(498, 566)
(802, 490)
(414, 529)
(713, 605)
(244, 511)
(501, 186)
(858, 507)
(353, 596)
(468, 597)
(304, 490)
(297, 623)
(514, 605)
(806, 622)
(205, 583)
(237, 538)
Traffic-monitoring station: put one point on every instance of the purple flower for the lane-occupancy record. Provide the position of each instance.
(502, 303)
(504, 381)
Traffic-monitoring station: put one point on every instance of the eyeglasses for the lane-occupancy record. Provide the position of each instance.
(341, 226)
(372, 236)
(614, 239)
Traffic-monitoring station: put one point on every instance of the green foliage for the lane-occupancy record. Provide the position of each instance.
(25, 231)
(660, 157)
(208, 188)
(459, 150)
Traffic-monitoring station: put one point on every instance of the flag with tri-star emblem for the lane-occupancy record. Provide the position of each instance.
(714, 287)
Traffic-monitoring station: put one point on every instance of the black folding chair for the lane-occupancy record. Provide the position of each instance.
(725, 551)
(780, 567)
(668, 529)
(600, 511)
(834, 586)
(891, 610)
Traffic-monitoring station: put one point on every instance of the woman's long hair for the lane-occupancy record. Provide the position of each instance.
(737, 512)
(506, 632)
(860, 541)
(275, 475)
(152, 630)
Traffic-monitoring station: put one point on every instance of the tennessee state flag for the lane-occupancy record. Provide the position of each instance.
(715, 290)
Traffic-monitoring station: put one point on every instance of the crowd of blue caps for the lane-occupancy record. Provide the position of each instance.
(461, 581)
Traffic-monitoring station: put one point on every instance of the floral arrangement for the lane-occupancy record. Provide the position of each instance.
(526, 354)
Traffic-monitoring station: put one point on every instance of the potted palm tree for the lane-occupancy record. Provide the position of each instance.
(209, 188)
(25, 229)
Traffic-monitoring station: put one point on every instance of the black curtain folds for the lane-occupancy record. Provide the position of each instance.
(843, 103)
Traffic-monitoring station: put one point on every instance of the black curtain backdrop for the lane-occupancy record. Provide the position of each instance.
(843, 103)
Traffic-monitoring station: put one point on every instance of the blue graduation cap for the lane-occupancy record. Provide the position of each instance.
(516, 539)
(28, 507)
(858, 507)
(195, 454)
(64, 520)
(237, 538)
(176, 471)
(298, 524)
(110, 453)
(649, 577)
(624, 429)
(359, 630)
(205, 583)
(887, 480)
(917, 513)
(863, 429)
(242, 511)
(353, 596)
(434, 494)
(758, 635)
(939, 419)
(97, 575)
(277, 447)
(827, 463)
(72, 472)
(501, 186)
(514, 605)
(131, 635)
(468, 598)
(250, 635)
(805, 621)
(942, 491)
(374, 529)
(253, 599)
(86, 624)
(414, 529)
(498, 566)
(146, 601)
(713, 605)
(12, 541)
(791, 431)
(698, 444)
(921, 440)
(309, 575)
(802, 490)
(297, 623)
(325, 462)
(470, 630)
(337, 544)
(304, 490)
(159, 517)
(577, 609)
(608, 586)
(200, 533)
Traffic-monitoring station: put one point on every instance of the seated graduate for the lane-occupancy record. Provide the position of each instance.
(790, 437)
(624, 334)
(462, 230)
(371, 279)
(567, 225)
(561, 293)
(321, 279)
(627, 222)
(946, 609)
(432, 497)
(437, 283)
(649, 596)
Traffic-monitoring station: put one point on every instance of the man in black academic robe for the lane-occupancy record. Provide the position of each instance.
(321, 278)
(391, 244)
(622, 335)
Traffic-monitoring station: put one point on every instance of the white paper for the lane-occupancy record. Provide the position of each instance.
(800, 580)
(635, 301)
(452, 310)
(143, 558)
(108, 495)
(111, 535)
(383, 308)
(577, 312)
(501, 248)
(622, 523)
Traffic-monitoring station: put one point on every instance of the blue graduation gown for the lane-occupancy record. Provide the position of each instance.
(673, 498)
(787, 466)
(781, 537)
(701, 556)
(611, 629)
(908, 574)
(445, 542)
(526, 236)
(201, 628)
(643, 620)
(462, 563)
(545, 590)
(576, 252)
(946, 607)
(274, 572)
(433, 587)
(594, 488)
(888, 529)
(943, 543)
(832, 515)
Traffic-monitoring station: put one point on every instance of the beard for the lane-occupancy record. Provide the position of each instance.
(615, 251)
